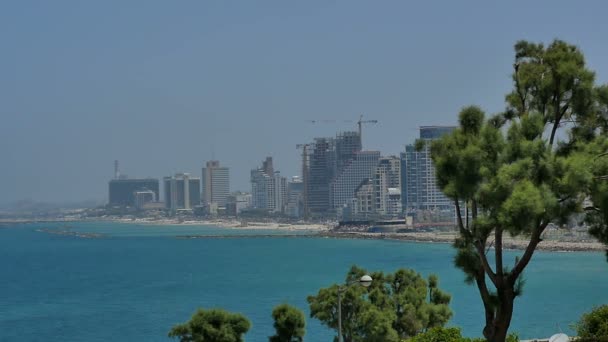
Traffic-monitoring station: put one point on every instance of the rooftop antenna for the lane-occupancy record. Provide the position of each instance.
(212, 152)
(116, 171)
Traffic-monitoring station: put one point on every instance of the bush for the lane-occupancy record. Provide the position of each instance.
(289, 323)
(215, 325)
(593, 326)
(440, 334)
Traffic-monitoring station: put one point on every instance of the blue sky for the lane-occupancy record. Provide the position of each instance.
(162, 86)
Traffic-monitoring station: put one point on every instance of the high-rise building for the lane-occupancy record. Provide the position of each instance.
(215, 183)
(122, 191)
(295, 197)
(182, 191)
(361, 168)
(387, 187)
(259, 193)
(268, 190)
(348, 144)
(320, 174)
(277, 193)
(419, 188)
(363, 204)
(328, 158)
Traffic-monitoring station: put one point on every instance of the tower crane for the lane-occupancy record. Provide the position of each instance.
(360, 123)
(304, 148)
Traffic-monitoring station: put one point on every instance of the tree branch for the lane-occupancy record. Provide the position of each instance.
(525, 259)
(480, 280)
(480, 245)
(556, 109)
(490, 245)
(601, 155)
(498, 252)
(465, 232)
(522, 96)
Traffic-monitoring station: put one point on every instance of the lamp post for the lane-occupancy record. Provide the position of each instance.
(364, 281)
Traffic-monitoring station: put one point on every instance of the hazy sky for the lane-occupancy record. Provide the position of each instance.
(161, 85)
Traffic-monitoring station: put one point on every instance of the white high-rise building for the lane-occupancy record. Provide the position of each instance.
(216, 183)
(387, 187)
(295, 197)
(419, 189)
(268, 188)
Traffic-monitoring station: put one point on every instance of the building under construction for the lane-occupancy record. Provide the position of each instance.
(327, 158)
(320, 172)
(347, 146)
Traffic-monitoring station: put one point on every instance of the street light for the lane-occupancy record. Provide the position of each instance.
(364, 281)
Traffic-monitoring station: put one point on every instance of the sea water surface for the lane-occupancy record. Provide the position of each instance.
(136, 281)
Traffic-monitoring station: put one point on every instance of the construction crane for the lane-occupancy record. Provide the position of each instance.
(360, 123)
(304, 148)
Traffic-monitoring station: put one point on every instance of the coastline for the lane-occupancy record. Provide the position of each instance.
(448, 238)
(234, 224)
(327, 230)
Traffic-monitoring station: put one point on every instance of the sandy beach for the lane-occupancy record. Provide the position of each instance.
(233, 224)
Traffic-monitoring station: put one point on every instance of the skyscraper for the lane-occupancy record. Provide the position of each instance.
(268, 190)
(182, 191)
(419, 188)
(216, 183)
(328, 158)
(295, 197)
(361, 168)
(347, 146)
(387, 187)
(320, 173)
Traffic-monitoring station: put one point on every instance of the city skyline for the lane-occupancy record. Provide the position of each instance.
(238, 83)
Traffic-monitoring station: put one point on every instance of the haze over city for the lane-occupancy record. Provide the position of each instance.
(164, 86)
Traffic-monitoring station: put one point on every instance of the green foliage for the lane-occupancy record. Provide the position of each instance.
(439, 334)
(214, 325)
(594, 325)
(289, 323)
(394, 306)
(540, 162)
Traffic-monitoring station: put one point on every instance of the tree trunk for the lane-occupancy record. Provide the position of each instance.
(496, 329)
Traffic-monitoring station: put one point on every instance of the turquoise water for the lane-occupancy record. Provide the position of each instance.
(137, 281)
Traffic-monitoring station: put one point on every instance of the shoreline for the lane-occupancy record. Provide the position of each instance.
(236, 224)
(448, 238)
(326, 230)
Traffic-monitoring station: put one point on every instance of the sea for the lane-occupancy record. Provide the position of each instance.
(105, 281)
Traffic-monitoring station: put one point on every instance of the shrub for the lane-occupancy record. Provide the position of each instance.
(593, 325)
(440, 334)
